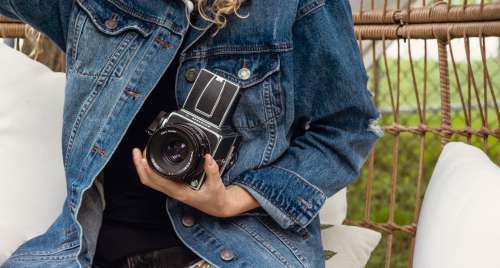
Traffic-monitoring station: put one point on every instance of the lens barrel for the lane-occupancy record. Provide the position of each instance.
(176, 151)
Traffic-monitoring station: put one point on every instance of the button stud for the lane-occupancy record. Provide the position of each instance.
(111, 23)
(191, 74)
(187, 220)
(307, 125)
(244, 73)
(226, 254)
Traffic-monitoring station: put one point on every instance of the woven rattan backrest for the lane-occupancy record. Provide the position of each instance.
(11, 28)
(432, 69)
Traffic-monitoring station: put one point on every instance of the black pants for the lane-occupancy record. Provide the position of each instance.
(174, 257)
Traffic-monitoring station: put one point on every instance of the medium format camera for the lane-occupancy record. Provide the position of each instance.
(179, 140)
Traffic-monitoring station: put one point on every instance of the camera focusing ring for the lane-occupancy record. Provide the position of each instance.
(176, 151)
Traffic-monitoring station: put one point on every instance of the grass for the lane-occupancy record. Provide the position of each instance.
(409, 144)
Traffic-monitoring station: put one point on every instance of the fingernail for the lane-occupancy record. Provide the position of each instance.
(210, 160)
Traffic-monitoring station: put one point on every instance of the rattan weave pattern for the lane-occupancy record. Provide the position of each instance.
(466, 83)
(11, 28)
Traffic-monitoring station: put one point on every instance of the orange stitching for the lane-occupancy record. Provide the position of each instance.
(163, 42)
(131, 93)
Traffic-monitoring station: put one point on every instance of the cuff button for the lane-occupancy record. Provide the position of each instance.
(187, 220)
(226, 254)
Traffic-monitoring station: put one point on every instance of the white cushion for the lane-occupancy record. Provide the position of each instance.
(32, 184)
(334, 210)
(458, 224)
(351, 246)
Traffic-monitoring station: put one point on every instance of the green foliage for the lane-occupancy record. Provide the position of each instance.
(408, 154)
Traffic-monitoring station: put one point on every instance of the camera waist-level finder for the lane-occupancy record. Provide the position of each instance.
(179, 140)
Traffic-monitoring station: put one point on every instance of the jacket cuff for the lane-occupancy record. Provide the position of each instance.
(287, 197)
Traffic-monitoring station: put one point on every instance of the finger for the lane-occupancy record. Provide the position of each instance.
(139, 166)
(211, 170)
(154, 177)
(174, 189)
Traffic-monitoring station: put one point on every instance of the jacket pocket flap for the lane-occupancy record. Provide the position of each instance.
(245, 69)
(111, 20)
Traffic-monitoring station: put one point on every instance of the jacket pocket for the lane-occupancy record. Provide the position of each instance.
(59, 242)
(104, 39)
(260, 99)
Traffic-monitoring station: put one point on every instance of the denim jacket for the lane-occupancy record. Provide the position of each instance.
(305, 115)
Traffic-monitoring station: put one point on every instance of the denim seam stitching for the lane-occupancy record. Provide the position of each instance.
(251, 82)
(276, 114)
(271, 127)
(323, 195)
(134, 47)
(180, 237)
(309, 8)
(91, 15)
(150, 51)
(285, 241)
(229, 50)
(42, 258)
(111, 73)
(46, 253)
(280, 258)
(96, 25)
(290, 217)
(77, 31)
(104, 75)
(102, 130)
(157, 20)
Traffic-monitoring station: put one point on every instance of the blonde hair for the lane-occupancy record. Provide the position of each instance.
(219, 8)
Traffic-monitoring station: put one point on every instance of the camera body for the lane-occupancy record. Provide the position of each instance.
(179, 140)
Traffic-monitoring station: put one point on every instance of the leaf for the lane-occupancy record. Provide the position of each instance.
(325, 226)
(328, 254)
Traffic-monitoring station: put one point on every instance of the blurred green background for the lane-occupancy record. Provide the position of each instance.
(409, 144)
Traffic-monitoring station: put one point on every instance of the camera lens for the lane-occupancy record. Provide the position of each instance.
(176, 151)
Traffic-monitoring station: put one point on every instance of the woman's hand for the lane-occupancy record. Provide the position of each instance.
(213, 198)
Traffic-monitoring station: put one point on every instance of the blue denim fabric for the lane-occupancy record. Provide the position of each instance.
(305, 116)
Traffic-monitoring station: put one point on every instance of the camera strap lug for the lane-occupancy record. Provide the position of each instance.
(156, 123)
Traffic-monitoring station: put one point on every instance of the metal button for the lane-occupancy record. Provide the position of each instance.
(112, 22)
(244, 73)
(304, 123)
(191, 74)
(226, 254)
(187, 220)
(202, 264)
(307, 125)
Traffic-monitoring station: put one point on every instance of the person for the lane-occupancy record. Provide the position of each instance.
(305, 115)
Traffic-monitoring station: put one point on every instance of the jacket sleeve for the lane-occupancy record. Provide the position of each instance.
(50, 17)
(331, 94)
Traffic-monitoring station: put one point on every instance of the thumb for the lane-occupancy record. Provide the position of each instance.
(211, 169)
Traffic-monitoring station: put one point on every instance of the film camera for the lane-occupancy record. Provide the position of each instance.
(179, 140)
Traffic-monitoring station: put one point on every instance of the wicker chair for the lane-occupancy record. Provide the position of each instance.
(430, 67)
(34, 44)
(453, 44)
